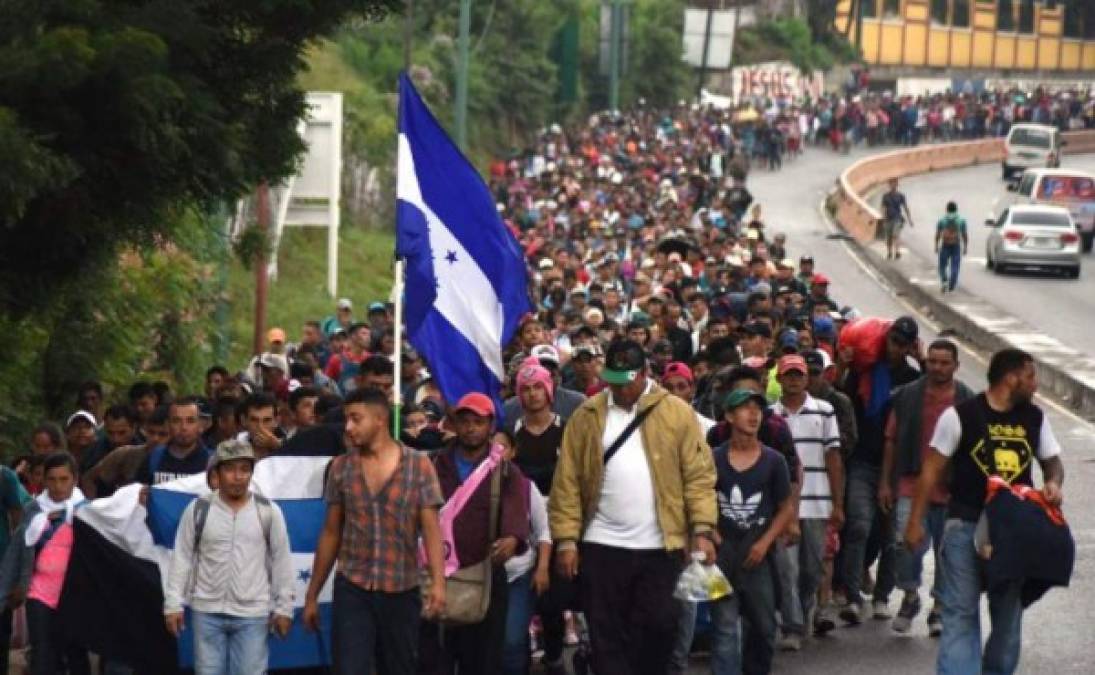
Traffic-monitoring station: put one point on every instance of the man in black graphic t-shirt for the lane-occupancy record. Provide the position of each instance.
(184, 454)
(999, 432)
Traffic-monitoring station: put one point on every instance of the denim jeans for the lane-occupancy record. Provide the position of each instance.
(229, 645)
(785, 559)
(960, 646)
(949, 255)
(810, 554)
(752, 606)
(515, 652)
(910, 563)
(686, 632)
(861, 509)
(373, 629)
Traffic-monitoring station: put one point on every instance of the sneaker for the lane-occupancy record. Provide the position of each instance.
(910, 607)
(935, 623)
(881, 609)
(849, 614)
(823, 621)
(790, 643)
(570, 637)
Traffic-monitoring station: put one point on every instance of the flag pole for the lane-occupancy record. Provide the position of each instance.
(397, 390)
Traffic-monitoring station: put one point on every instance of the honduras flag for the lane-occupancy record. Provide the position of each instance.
(466, 279)
(112, 601)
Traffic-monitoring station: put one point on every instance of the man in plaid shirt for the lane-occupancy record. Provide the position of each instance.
(380, 496)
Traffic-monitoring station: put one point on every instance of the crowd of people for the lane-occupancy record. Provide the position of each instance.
(763, 131)
(685, 386)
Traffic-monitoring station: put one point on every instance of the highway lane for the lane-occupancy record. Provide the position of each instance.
(1062, 308)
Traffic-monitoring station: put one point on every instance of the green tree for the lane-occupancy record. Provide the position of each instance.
(115, 114)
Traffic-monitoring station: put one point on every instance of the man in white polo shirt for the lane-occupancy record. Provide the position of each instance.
(635, 484)
(817, 440)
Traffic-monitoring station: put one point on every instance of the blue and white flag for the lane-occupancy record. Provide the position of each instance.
(466, 279)
(113, 593)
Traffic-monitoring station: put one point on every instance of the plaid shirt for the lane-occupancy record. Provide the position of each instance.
(379, 550)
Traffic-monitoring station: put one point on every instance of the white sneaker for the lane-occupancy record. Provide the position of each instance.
(790, 643)
(881, 610)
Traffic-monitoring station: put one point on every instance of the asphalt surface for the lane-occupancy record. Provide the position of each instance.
(1062, 308)
(1057, 630)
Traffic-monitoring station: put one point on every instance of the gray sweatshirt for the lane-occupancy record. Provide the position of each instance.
(236, 573)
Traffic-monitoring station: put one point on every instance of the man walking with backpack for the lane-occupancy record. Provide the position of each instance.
(233, 567)
(948, 230)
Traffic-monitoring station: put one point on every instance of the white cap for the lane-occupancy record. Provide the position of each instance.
(272, 360)
(546, 263)
(81, 415)
(344, 303)
(545, 353)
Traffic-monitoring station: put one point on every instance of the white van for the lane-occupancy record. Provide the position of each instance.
(1031, 145)
(1072, 189)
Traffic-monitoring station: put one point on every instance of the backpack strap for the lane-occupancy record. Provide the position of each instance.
(265, 509)
(201, 514)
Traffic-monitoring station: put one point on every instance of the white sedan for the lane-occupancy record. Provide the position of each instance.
(1033, 236)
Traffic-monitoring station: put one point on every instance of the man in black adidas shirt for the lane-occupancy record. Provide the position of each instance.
(184, 454)
(998, 432)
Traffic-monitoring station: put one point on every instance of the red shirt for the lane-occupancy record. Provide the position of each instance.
(935, 402)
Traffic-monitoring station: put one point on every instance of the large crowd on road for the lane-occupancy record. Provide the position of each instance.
(688, 384)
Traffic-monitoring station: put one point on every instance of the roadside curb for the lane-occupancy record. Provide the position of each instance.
(1063, 373)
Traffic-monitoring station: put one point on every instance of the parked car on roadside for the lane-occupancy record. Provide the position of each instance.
(1033, 236)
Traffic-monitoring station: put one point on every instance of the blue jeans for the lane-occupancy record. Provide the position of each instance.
(229, 645)
(809, 553)
(949, 255)
(910, 563)
(686, 632)
(515, 651)
(751, 607)
(960, 646)
(785, 559)
(860, 512)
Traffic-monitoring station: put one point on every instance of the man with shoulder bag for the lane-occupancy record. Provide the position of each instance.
(634, 490)
(485, 522)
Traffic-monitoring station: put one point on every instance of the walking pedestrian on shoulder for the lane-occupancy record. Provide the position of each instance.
(951, 243)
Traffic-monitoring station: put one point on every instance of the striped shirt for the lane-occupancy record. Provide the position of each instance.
(815, 431)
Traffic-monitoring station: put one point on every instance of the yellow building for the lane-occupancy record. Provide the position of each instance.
(1014, 35)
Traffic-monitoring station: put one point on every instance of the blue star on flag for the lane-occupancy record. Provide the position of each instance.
(451, 257)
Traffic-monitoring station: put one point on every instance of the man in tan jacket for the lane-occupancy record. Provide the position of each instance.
(634, 486)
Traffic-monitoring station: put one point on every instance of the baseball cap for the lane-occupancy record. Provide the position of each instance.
(272, 360)
(820, 280)
(792, 362)
(623, 362)
(232, 449)
(344, 303)
(762, 287)
(678, 369)
(477, 403)
(806, 259)
(545, 353)
(591, 351)
(377, 307)
(817, 360)
(662, 346)
(757, 328)
(275, 335)
(546, 264)
(433, 410)
(81, 415)
(904, 330)
(740, 397)
(789, 340)
(823, 326)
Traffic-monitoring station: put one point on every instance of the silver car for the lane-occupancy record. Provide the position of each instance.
(1033, 236)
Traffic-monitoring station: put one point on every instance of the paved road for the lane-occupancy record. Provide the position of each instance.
(1057, 630)
(1063, 308)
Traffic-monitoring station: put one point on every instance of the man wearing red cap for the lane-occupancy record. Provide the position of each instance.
(477, 648)
(817, 439)
(677, 378)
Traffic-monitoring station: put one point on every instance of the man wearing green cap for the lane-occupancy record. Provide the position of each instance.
(633, 487)
(755, 506)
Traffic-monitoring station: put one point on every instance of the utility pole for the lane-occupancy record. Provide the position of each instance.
(615, 41)
(706, 47)
(262, 273)
(462, 75)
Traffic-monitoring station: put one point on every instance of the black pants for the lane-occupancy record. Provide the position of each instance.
(5, 640)
(372, 629)
(628, 600)
(50, 648)
(561, 595)
(468, 650)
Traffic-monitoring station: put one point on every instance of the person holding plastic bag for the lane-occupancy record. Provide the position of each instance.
(755, 506)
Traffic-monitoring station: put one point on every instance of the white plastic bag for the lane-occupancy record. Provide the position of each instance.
(702, 583)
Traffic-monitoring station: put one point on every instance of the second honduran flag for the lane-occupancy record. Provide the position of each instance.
(113, 594)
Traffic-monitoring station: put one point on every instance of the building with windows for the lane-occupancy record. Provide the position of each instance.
(1020, 37)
